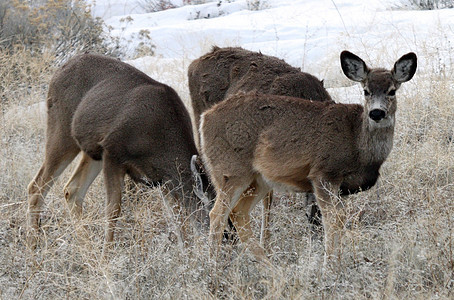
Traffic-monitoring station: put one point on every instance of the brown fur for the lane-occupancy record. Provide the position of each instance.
(225, 71)
(113, 112)
(269, 141)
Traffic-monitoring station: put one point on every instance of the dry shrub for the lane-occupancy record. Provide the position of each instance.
(21, 74)
(256, 4)
(425, 4)
(64, 27)
(398, 243)
(156, 5)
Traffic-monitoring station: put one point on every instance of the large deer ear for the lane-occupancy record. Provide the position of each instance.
(405, 67)
(353, 66)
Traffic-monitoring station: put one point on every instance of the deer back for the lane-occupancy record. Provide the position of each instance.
(226, 71)
(286, 139)
(110, 108)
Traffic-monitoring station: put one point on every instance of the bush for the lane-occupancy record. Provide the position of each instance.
(429, 4)
(256, 4)
(195, 2)
(62, 26)
(36, 36)
(22, 75)
(156, 5)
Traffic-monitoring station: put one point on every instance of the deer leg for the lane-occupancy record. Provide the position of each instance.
(54, 164)
(333, 217)
(76, 188)
(226, 199)
(114, 181)
(264, 230)
(313, 213)
(242, 220)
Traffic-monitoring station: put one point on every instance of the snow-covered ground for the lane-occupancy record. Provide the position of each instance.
(306, 33)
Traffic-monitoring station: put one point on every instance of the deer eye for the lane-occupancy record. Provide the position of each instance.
(392, 93)
(366, 93)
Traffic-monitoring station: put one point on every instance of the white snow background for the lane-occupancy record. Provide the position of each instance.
(309, 34)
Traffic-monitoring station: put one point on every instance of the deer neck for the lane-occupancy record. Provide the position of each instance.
(376, 139)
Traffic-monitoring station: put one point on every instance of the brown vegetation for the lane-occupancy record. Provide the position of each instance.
(402, 247)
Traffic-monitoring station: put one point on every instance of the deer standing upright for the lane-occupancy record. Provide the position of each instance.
(259, 142)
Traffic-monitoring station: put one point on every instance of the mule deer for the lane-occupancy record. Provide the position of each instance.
(223, 72)
(257, 142)
(123, 122)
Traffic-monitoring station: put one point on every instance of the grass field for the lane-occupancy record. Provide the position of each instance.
(399, 241)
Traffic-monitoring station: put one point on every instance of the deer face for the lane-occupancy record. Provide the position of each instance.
(379, 85)
(380, 96)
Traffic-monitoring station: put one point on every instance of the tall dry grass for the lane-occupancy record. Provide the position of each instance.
(399, 241)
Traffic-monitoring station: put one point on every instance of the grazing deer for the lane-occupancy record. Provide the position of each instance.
(123, 122)
(223, 72)
(257, 142)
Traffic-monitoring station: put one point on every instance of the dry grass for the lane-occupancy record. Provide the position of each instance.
(401, 248)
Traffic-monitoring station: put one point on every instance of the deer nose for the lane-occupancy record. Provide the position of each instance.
(377, 114)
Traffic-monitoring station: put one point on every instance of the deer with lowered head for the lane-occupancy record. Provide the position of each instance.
(122, 122)
(257, 142)
(223, 72)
